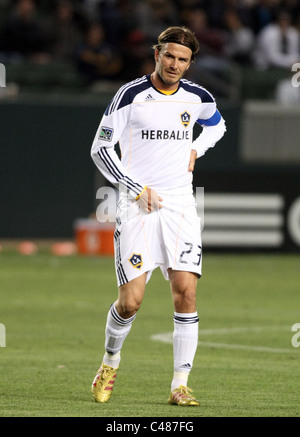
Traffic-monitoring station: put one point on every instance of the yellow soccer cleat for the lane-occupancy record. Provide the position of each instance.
(182, 396)
(102, 386)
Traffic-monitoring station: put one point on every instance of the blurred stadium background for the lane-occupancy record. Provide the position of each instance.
(64, 61)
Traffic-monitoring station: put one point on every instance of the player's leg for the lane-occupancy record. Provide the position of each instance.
(120, 318)
(134, 254)
(118, 325)
(183, 287)
(185, 336)
(130, 296)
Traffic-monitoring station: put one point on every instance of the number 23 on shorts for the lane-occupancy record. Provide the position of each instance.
(192, 253)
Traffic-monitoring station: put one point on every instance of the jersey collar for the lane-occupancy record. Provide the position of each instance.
(161, 91)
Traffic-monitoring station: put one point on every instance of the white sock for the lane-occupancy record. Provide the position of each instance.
(112, 360)
(185, 342)
(179, 378)
(116, 331)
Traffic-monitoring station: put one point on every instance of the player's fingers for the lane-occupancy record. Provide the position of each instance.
(149, 200)
(159, 205)
(191, 164)
(193, 157)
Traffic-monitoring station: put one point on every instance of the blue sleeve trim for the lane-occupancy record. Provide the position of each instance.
(191, 87)
(212, 121)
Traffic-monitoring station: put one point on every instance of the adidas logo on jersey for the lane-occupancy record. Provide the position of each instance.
(149, 97)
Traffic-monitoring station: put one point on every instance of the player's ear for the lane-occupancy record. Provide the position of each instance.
(156, 55)
(188, 65)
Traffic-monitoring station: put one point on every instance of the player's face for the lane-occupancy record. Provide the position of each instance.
(172, 62)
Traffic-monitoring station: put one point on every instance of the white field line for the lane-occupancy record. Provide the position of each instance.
(167, 337)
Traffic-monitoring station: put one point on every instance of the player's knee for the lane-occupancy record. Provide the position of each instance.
(184, 298)
(128, 308)
(186, 295)
(131, 296)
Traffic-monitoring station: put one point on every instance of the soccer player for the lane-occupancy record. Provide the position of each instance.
(157, 225)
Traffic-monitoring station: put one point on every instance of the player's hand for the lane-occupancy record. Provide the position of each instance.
(193, 158)
(149, 200)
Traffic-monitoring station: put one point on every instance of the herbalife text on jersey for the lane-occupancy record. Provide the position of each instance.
(165, 135)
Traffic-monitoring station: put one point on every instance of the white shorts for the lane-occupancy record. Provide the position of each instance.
(167, 238)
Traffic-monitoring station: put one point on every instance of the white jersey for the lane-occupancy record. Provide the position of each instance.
(155, 134)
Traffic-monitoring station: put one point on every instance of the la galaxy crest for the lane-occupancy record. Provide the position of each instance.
(136, 260)
(185, 118)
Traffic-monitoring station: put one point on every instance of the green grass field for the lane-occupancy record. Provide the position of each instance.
(54, 311)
